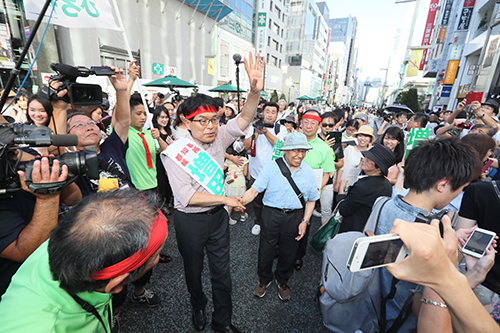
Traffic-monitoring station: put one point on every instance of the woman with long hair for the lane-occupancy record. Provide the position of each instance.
(179, 129)
(393, 138)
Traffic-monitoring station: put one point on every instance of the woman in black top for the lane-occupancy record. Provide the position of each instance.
(161, 121)
(357, 203)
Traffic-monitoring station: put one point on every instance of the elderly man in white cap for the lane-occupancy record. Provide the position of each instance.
(289, 200)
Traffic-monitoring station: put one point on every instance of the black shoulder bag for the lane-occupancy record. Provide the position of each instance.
(288, 175)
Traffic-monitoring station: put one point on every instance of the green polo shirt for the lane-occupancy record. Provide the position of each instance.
(321, 156)
(143, 177)
(34, 302)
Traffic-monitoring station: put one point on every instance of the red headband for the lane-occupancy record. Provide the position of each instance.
(312, 116)
(202, 109)
(158, 233)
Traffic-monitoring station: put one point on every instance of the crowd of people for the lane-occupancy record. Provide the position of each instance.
(200, 161)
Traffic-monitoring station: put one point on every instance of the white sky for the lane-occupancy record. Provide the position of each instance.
(378, 21)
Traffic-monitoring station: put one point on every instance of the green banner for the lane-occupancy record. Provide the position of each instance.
(414, 137)
(277, 153)
(262, 20)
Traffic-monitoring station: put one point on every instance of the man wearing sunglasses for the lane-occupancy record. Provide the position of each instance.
(321, 157)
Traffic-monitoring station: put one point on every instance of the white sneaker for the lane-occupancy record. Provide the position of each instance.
(232, 221)
(316, 213)
(256, 229)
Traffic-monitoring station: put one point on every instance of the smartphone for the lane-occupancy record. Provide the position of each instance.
(478, 242)
(376, 251)
(334, 134)
(486, 166)
(102, 70)
(474, 96)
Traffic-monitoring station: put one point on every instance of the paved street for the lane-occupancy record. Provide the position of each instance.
(250, 314)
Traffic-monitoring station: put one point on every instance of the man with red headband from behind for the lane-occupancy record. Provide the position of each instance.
(105, 241)
(194, 166)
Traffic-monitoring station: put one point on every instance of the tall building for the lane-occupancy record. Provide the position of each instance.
(306, 48)
(270, 37)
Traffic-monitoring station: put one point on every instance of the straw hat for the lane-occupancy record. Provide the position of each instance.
(366, 130)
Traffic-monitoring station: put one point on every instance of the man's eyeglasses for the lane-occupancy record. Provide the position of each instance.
(327, 125)
(80, 125)
(300, 151)
(205, 121)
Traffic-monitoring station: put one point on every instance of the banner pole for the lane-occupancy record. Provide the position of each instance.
(137, 85)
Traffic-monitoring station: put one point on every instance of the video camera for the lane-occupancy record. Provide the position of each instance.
(259, 122)
(15, 136)
(79, 94)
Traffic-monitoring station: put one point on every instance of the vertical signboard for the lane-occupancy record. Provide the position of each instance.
(446, 13)
(429, 26)
(464, 19)
(261, 31)
(451, 72)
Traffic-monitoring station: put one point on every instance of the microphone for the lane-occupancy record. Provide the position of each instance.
(64, 140)
(42, 140)
(237, 58)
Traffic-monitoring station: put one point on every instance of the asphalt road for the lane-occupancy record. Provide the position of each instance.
(250, 313)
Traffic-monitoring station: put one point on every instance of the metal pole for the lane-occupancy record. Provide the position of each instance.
(238, 84)
(15, 72)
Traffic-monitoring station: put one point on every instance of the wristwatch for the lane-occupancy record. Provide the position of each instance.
(306, 221)
(482, 116)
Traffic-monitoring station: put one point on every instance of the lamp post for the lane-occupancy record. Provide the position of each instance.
(237, 61)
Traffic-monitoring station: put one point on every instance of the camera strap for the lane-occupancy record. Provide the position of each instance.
(92, 310)
(286, 172)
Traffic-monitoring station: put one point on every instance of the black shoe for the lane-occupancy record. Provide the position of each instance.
(298, 264)
(199, 319)
(227, 329)
(164, 259)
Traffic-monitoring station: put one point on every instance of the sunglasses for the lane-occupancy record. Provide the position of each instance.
(327, 125)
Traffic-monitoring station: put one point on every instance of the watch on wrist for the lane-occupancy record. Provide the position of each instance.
(306, 221)
(482, 116)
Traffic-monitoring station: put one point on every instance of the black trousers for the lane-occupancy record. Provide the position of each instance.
(195, 233)
(278, 228)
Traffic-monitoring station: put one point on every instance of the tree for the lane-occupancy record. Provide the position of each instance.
(409, 98)
(283, 97)
(195, 91)
(274, 96)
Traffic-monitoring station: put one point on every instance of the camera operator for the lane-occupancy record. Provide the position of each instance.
(113, 171)
(27, 219)
(262, 142)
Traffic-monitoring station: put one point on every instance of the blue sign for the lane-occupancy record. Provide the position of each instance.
(446, 91)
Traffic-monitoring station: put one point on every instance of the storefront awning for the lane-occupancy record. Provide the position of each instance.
(213, 8)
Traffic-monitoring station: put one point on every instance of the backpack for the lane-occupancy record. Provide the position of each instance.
(353, 301)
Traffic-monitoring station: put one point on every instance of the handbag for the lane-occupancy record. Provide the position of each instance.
(327, 231)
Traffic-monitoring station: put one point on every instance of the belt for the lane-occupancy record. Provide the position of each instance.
(285, 210)
(211, 211)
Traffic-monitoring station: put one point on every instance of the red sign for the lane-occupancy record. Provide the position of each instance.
(429, 26)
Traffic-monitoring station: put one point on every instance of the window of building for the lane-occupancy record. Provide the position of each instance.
(275, 61)
(268, 41)
(281, 48)
(271, 7)
(280, 63)
(276, 29)
(270, 23)
(277, 11)
(275, 45)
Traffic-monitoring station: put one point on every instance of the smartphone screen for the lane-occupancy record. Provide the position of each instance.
(382, 253)
(478, 242)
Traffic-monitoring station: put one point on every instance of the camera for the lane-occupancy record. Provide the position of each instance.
(79, 94)
(18, 136)
(259, 122)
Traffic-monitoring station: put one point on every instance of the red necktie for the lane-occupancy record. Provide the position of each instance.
(146, 147)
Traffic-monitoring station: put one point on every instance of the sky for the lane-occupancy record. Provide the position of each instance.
(378, 21)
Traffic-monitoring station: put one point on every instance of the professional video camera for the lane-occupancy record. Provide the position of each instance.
(259, 122)
(79, 94)
(15, 136)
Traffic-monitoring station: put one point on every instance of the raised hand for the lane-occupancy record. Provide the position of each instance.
(254, 71)
(118, 80)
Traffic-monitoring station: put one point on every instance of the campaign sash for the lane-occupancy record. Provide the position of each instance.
(197, 163)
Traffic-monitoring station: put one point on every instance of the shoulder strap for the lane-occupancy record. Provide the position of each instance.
(276, 128)
(284, 170)
(90, 309)
(495, 187)
(373, 226)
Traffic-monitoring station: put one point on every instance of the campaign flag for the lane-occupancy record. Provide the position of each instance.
(74, 13)
(414, 137)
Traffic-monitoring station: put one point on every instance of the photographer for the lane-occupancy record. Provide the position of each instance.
(262, 143)
(27, 219)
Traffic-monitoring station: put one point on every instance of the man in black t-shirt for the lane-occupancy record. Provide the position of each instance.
(481, 207)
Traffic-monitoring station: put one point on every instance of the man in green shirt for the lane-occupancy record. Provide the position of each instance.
(322, 159)
(72, 269)
(141, 152)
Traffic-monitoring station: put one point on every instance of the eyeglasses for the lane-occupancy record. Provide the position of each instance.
(205, 121)
(82, 125)
(310, 122)
(300, 151)
(327, 125)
